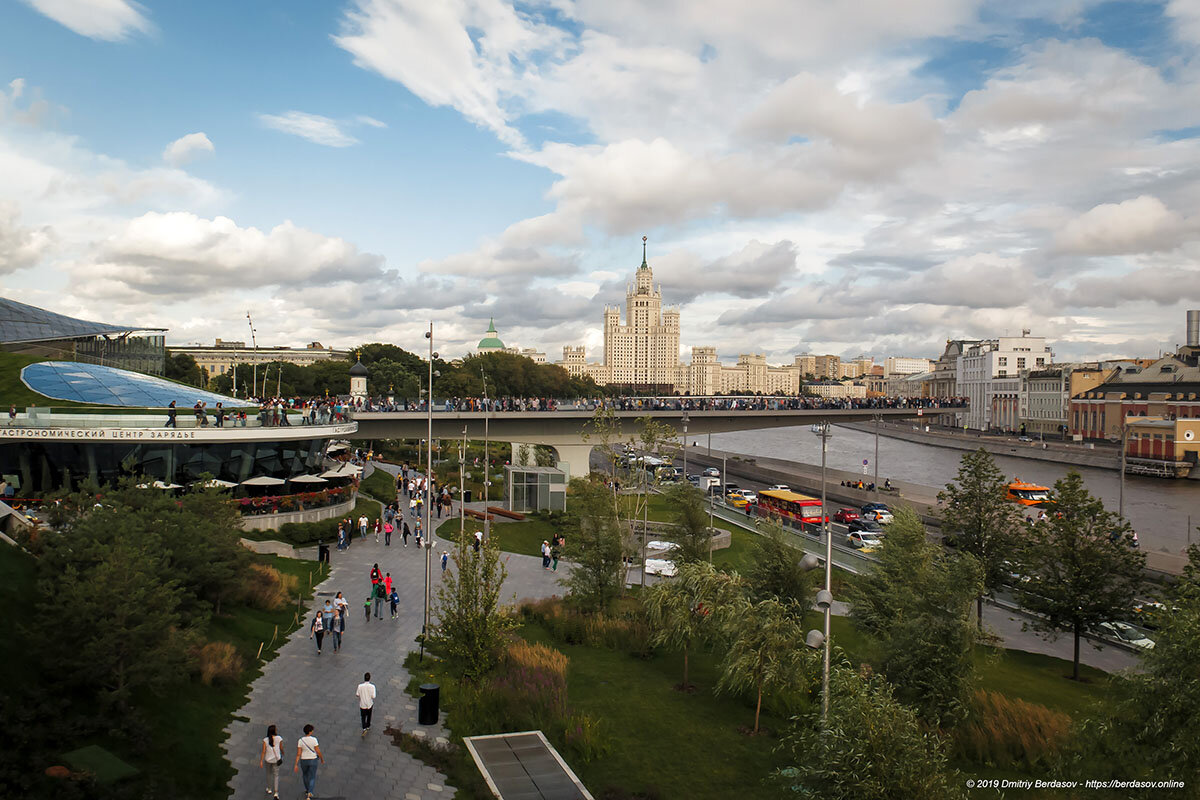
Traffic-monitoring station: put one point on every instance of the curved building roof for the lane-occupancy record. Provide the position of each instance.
(93, 383)
(24, 323)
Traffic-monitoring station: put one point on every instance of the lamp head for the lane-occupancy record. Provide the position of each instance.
(815, 640)
(428, 334)
(824, 599)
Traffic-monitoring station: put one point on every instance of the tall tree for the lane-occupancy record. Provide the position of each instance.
(981, 520)
(471, 626)
(691, 609)
(777, 572)
(1152, 730)
(915, 605)
(874, 746)
(692, 538)
(111, 618)
(183, 368)
(762, 654)
(1080, 565)
(596, 548)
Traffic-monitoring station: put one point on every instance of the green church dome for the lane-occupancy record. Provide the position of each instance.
(491, 341)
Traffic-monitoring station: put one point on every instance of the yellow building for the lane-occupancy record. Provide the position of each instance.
(1163, 447)
(221, 356)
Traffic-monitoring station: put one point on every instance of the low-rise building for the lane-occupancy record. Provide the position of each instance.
(220, 358)
(904, 365)
(1045, 395)
(1162, 447)
(835, 390)
(988, 375)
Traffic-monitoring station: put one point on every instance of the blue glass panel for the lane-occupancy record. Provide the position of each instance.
(92, 383)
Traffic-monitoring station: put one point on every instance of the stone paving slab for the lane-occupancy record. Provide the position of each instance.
(300, 687)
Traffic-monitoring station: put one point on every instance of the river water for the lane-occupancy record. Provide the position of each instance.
(1157, 508)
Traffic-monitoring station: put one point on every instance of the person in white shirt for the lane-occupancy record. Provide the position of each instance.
(308, 753)
(362, 526)
(270, 756)
(366, 701)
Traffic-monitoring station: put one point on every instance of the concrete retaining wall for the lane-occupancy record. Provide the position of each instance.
(271, 522)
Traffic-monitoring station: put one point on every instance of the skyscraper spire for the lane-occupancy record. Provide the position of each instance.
(644, 264)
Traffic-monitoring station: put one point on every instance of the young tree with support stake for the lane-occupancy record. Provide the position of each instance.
(981, 520)
(762, 654)
(1080, 565)
(691, 609)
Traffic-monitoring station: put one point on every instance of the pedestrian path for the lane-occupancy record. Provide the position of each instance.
(300, 687)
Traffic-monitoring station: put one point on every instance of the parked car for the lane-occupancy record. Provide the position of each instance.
(1127, 634)
(712, 472)
(880, 515)
(778, 487)
(865, 526)
(865, 541)
(845, 515)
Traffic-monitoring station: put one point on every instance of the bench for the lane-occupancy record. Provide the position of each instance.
(504, 512)
(470, 512)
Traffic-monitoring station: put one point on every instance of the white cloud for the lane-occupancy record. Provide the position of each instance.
(21, 247)
(1141, 225)
(313, 127)
(374, 123)
(179, 254)
(185, 148)
(109, 20)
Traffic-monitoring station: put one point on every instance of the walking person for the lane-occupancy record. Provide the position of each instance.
(270, 756)
(171, 412)
(378, 530)
(394, 601)
(366, 701)
(445, 560)
(308, 754)
(327, 615)
(387, 534)
(545, 554)
(317, 630)
(405, 533)
(387, 583)
(336, 627)
(376, 574)
(554, 548)
(379, 594)
(367, 605)
(362, 526)
(342, 606)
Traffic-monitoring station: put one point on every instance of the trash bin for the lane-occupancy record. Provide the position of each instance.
(323, 553)
(427, 706)
(466, 495)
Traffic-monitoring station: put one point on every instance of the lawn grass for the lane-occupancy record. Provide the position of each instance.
(379, 484)
(13, 391)
(185, 727)
(524, 538)
(661, 742)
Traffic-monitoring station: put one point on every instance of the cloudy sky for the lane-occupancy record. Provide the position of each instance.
(858, 176)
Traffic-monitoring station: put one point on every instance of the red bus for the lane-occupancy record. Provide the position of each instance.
(791, 506)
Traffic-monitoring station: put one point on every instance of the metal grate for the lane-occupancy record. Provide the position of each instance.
(524, 766)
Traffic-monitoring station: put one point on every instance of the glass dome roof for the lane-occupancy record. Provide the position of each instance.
(92, 383)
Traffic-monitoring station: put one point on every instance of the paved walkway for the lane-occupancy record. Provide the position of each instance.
(300, 687)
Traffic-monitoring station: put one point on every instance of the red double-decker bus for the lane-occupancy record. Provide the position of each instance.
(791, 506)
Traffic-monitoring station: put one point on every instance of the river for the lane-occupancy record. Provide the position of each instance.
(1157, 508)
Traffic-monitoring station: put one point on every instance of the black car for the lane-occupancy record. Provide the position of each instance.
(866, 525)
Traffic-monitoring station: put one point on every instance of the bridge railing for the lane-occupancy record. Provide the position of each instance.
(670, 403)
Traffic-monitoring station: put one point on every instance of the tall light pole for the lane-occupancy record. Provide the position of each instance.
(462, 486)
(254, 344)
(685, 423)
(825, 596)
(487, 530)
(428, 542)
(878, 417)
(1121, 491)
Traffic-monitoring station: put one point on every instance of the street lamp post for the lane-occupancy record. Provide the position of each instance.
(428, 542)
(1121, 491)
(825, 596)
(487, 530)
(878, 417)
(685, 423)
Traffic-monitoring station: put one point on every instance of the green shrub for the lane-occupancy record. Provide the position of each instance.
(1008, 733)
(624, 629)
(219, 662)
(266, 588)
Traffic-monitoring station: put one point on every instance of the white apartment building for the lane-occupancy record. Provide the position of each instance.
(835, 390)
(988, 375)
(219, 358)
(902, 365)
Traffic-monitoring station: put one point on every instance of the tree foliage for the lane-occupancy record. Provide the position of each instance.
(183, 368)
(691, 535)
(777, 572)
(596, 548)
(875, 746)
(471, 625)
(1151, 731)
(763, 655)
(691, 609)
(1079, 566)
(914, 604)
(981, 520)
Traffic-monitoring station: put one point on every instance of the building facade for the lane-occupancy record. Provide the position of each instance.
(1168, 448)
(1045, 396)
(902, 365)
(220, 358)
(988, 375)
(1168, 388)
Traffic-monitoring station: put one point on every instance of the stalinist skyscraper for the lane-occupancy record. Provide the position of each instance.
(642, 352)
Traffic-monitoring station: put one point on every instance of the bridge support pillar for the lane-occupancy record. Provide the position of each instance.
(575, 458)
